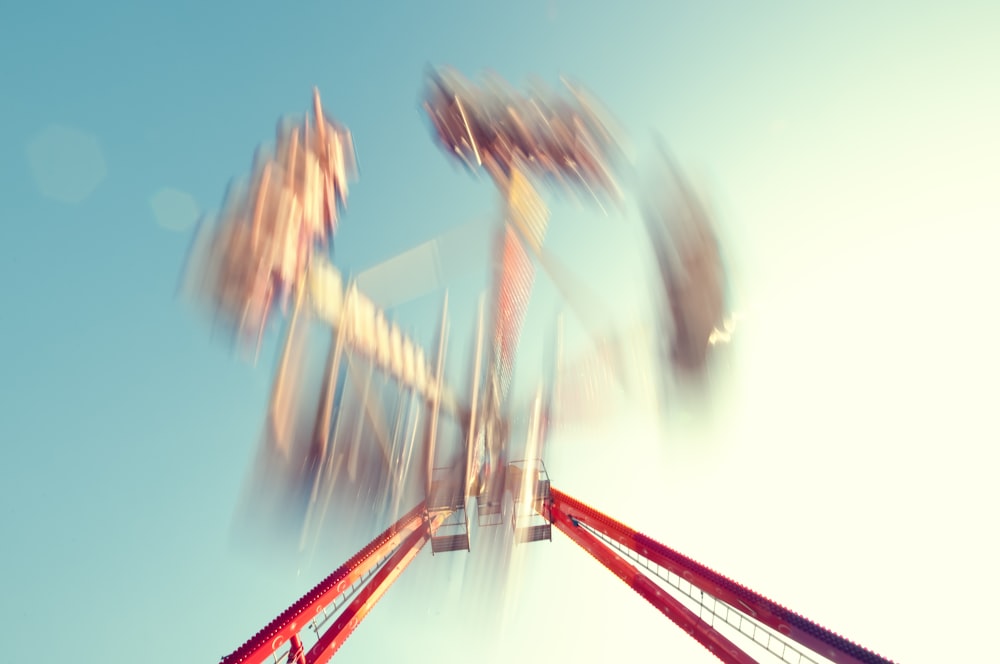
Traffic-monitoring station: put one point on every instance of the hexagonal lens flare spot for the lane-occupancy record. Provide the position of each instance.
(66, 163)
(174, 210)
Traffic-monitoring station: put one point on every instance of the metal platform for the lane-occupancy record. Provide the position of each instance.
(446, 502)
(489, 502)
(490, 513)
(529, 484)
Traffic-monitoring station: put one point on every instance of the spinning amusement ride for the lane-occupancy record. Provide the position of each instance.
(267, 251)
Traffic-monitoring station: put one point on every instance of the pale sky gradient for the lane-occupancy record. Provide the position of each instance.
(846, 467)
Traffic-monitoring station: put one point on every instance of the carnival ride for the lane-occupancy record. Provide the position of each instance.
(266, 248)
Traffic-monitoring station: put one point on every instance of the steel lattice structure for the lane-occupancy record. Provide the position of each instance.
(662, 576)
(516, 140)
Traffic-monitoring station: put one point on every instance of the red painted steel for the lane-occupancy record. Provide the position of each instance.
(297, 616)
(671, 607)
(515, 276)
(793, 626)
(296, 652)
(407, 536)
(335, 636)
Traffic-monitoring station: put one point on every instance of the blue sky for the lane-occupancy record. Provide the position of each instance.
(844, 468)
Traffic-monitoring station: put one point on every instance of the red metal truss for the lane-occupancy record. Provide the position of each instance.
(331, 639)
(388, 555)
(577, 520)
(672, 608)
(402, 540)
(515, 275)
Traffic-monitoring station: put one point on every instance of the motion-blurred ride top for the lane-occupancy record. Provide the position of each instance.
(561, 139)
(690, 262)
(261, 247)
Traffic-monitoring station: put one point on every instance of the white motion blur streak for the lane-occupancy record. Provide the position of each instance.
(367, 332)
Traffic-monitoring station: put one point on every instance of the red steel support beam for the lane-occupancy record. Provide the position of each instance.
(793, 626)
(287, 625)
(334, 637)
(671, 607)
(296, 652)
